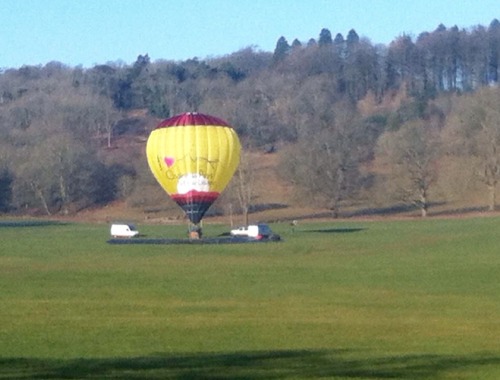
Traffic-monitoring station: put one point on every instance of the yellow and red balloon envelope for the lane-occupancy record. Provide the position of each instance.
(193, 156)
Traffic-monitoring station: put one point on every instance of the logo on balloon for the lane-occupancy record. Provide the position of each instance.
(192, 181)
(169, 161)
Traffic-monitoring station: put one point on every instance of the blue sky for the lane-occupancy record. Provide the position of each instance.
(89, 32)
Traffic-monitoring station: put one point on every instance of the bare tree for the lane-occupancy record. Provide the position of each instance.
(245, 184)
(473, 131)
(241, 189)
(32, 186)
(410, 157)
(325, 162)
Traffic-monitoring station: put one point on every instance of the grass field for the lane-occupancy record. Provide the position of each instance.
(413, 299)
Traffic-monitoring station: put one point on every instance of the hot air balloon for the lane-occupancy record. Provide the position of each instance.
(193, 157)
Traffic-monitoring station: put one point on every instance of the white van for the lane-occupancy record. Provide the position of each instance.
(123, 230)
(257, 231)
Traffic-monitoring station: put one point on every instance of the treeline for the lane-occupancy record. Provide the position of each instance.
(347, 116)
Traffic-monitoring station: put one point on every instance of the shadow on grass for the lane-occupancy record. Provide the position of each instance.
(30, 223)
(339, 230)
(305, 364)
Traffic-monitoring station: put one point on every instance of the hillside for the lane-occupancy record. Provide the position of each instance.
(272, 195)
(66, 147)
(274, 199)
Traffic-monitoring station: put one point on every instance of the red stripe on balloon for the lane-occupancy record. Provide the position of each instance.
(194, 196)
(192, 119)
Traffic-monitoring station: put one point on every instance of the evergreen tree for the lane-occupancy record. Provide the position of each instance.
(339, 39)
(352, 37)
(296, 44)
(311, 42)
(5, 190)
(494, 51)
(281, 50)
(325, 38)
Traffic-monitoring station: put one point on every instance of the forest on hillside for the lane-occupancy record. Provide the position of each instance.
(413, 122)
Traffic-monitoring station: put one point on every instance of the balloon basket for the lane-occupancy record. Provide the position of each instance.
(194, 232)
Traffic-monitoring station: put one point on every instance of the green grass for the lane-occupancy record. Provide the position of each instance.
(364, 300)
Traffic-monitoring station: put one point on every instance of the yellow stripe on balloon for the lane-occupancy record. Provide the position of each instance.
(198, 158)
